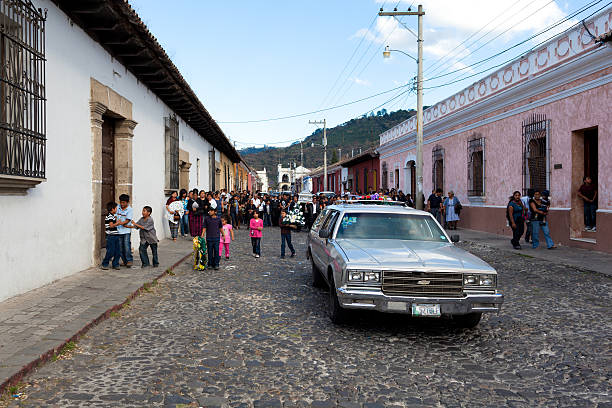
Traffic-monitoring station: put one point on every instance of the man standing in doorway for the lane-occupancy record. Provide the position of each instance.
(125, 215)
(588, 193)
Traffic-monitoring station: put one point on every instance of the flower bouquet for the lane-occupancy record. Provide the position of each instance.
(294, 217)
(199, 254)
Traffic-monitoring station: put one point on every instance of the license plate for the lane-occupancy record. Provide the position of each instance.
(396, 306)
(426, 310)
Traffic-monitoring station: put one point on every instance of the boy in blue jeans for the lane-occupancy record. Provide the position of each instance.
(148, 237)
(112, 237)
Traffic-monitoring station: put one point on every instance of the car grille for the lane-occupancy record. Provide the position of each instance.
(422, 284)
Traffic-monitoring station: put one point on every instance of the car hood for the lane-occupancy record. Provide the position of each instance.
(398, 254)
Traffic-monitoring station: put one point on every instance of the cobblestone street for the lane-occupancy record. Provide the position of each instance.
(256, 333)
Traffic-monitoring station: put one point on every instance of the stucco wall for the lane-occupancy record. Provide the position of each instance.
(48, 233)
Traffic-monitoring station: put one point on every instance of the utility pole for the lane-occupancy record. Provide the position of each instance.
(301, 154)
(419, 136)
(324, 123)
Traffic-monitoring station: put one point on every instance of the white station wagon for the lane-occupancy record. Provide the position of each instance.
(395, 259)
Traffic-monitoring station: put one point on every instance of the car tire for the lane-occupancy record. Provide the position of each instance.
(317, 278)
(467, 321)
(337, 314)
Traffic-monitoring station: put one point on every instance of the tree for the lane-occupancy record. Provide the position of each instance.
(334, 156)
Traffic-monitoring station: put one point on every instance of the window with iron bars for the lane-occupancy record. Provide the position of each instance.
(535, 153)
(476, 166)
(172, 152)
(437, 168)
(22, 90)
(385, 176)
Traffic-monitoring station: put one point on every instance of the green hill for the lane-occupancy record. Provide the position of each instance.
(352, 135)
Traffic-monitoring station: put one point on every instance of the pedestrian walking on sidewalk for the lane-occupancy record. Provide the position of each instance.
(212, 230)
(227, 237)
(588, 193)
(174, 216)
(185, 218)
(515, 214)
(112, 237)
(451, 208)
(256, 228)
(285, 230)
(148, 237)
(125, 215)
(539, 211)
(434, 204)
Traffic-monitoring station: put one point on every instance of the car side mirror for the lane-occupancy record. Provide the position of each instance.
(455, 238)
(323, 234)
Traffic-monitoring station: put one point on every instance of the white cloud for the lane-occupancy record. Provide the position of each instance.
(471, 16)
(359, 81)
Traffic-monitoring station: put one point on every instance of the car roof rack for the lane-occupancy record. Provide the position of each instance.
(375, 202)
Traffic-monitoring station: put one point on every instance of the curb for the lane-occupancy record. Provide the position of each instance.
(43, 358)
(558, 262)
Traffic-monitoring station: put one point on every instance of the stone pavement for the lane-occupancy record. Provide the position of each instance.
(257, 334)
(36, 325)
(581, 259)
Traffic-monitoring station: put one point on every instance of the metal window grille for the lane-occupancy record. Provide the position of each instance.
(437, 168)
(172, 152)
(22, 89)
(476, 166)
(535, 152)
(385, 176)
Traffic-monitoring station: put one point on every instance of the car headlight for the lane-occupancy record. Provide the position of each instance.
(479, 280)
(469, 280)
(355, 276)
(487, 280)
(371, 276)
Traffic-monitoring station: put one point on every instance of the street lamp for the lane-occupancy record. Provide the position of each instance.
(419, 131)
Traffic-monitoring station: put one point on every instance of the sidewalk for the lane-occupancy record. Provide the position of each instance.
(36, 325)
(578, 258)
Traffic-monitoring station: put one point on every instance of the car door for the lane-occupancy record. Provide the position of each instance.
(328, 227)
(316, 248)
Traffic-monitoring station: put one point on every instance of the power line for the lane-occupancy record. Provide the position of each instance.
(444, 57)
(334, 98)
(458, 79)
(315, 111)
(554, 25)
(348, 62)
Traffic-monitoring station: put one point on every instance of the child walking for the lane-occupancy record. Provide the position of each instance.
(227, 237)
(112, 237)
(148, 237)
(256, 228)
(285, 230)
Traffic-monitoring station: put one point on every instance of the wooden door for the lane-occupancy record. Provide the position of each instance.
(108, 171)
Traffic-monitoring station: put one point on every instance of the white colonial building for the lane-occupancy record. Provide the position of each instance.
(263, 179)
(289, 176)
(92, 108)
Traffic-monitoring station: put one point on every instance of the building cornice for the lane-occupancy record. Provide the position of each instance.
(410, 143)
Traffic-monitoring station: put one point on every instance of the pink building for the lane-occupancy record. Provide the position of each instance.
(542, 121)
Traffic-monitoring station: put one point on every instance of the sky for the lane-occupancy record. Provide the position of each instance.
(256, 60)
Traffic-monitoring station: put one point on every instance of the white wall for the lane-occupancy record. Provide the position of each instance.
(48, 234)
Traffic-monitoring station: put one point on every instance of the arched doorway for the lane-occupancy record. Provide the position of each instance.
(410, 178)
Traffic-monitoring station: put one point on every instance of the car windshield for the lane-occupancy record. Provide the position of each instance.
(389, 226)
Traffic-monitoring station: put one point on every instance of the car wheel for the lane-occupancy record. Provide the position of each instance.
(467, 321)
(317, 279)
(337, 314)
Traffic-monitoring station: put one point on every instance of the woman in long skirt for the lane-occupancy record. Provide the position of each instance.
(451, 214)
(196, 217)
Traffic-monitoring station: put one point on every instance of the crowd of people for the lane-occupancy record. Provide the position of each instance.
(215, 216)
